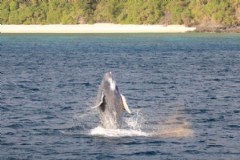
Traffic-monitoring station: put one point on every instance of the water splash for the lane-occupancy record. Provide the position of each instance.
(99, 131)
(136, 121)
(174, 127)
(132, 127)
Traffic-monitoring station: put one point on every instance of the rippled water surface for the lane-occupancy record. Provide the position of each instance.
(184, 90)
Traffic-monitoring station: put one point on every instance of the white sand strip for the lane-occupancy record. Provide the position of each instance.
(95, 28)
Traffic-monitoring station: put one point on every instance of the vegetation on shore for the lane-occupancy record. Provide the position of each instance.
(188, 12)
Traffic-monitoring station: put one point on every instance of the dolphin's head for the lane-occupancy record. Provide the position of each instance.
(108, 81)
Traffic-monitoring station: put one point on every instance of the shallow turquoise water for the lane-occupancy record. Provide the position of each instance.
(49, 82)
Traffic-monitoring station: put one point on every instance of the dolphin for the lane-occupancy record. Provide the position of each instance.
(110, 103)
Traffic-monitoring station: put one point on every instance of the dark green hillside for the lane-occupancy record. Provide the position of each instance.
(188, 12)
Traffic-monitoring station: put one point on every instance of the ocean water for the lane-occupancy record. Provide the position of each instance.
(183, 89)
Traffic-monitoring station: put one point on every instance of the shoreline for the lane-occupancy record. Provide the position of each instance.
(217, 29)
(95, 28)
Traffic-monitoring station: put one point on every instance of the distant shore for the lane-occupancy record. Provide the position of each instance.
(218, 29)
(95, 28)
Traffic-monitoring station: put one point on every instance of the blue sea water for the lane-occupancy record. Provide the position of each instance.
(173, 83)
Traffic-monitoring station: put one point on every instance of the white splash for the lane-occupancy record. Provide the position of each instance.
(132, 129)
(172, 128)
(175, 125)
(135, 121)
(99, 131)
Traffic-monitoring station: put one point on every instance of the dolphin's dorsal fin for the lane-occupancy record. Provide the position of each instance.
(100, 103)
(125, 106)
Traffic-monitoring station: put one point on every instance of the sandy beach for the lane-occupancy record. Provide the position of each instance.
(95, 28)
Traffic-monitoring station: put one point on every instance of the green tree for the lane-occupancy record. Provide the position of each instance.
(4, 10)
(107, 11)
(188, 12)
(14, 5)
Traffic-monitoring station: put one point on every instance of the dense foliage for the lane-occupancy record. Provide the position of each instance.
(188, 12)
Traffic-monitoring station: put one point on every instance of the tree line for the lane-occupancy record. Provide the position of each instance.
(188, 12)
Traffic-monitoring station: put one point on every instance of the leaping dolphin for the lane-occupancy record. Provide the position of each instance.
(111, 103)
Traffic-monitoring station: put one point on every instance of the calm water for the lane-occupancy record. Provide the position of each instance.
(49, 82)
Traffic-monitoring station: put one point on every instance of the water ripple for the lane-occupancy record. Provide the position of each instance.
(179, 82)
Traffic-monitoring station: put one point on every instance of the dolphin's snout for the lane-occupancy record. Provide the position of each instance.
(108, 75)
